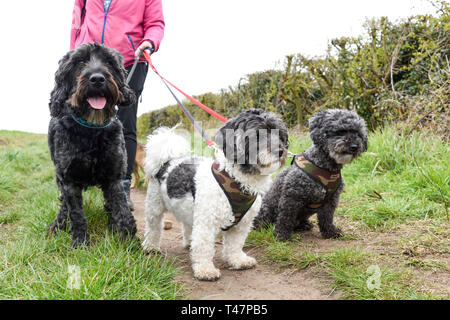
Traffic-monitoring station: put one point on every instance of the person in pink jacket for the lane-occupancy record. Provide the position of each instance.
(128, 26)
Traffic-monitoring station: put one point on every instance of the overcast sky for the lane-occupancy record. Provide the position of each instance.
(208, 45)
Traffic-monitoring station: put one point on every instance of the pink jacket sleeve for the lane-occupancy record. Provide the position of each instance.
(76, 22)
(153, 22)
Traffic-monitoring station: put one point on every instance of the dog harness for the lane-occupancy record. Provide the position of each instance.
(239, 199)
(330, 180)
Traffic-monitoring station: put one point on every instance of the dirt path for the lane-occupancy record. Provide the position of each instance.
(262, 282)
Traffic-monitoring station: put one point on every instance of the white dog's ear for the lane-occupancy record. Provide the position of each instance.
(225, 139)
(227, 136)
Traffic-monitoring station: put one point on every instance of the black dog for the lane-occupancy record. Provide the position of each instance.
(85, 139)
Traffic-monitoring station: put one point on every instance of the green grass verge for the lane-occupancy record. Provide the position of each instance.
(36, 266)
(398, 179)
(346, 267)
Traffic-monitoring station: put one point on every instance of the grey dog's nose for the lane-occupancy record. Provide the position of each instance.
(353, 148)
(97, 79)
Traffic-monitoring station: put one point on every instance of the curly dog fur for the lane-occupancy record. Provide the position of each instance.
(89, 83)
(338, 137)
(184, 185)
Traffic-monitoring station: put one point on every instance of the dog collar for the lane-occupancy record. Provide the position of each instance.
(239, 199)
(91, 125)
(330, 180)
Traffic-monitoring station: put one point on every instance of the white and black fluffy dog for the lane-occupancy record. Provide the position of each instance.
(338, 136)
(251, 146)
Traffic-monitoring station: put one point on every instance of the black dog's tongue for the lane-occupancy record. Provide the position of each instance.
(97, 102)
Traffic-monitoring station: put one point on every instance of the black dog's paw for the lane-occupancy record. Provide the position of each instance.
(125, 231)
(304, 226)
(332, 233)
(80, 241)
(54, 227)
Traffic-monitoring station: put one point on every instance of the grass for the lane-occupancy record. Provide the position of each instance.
(36, 266)
(350, 270)
(393, 213)
(346, 268)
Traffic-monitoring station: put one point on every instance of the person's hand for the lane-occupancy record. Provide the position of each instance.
(144, 45)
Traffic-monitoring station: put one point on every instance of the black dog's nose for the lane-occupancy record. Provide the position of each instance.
(97, 79)
(353, 148)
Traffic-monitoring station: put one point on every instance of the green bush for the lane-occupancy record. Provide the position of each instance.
(393, 71)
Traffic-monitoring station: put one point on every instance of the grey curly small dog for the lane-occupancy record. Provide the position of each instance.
(313, 183)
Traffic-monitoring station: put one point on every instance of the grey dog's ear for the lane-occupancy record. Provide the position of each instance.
(61, 91)
(364, 134)
(315, 124)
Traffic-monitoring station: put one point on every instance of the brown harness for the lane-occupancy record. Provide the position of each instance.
(330, 180)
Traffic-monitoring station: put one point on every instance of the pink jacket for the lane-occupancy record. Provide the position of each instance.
(125, 25)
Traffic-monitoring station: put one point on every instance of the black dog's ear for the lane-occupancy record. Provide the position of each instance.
(127, 96)
(61, 91)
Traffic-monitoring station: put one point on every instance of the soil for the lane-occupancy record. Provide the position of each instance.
(264, 282)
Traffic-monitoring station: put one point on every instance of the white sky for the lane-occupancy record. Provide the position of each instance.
(208, 45)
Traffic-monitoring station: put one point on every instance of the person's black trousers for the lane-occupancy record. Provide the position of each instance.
(128, 116)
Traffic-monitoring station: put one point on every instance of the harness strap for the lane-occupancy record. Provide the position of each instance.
(240, 200)
(330, 180)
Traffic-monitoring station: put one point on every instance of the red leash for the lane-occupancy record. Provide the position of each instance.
(193, 100)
